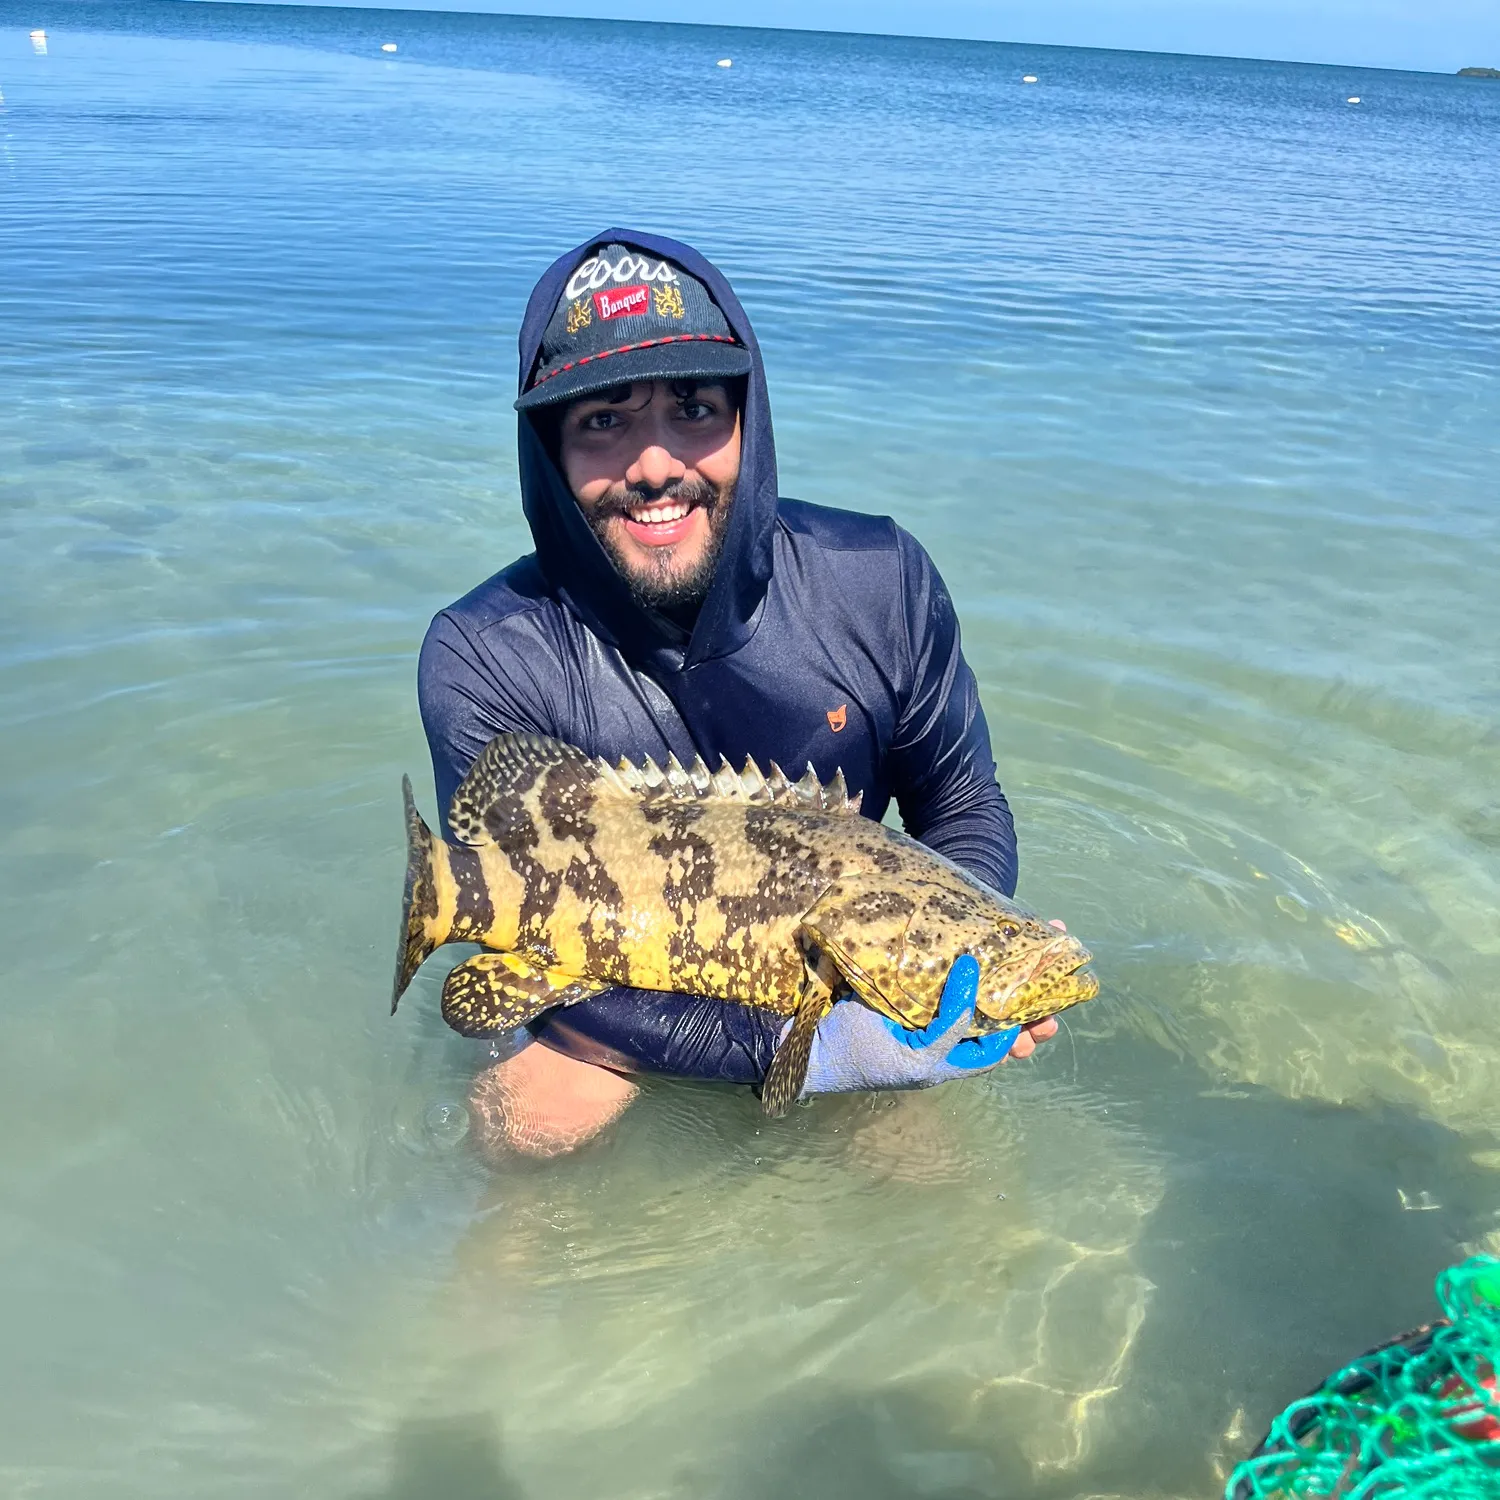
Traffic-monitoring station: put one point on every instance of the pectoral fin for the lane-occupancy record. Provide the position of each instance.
(788, 1071)
(500, 991)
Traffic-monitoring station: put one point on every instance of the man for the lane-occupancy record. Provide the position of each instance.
(675, 604)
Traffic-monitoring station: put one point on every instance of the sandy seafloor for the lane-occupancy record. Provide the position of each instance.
(1188, 374)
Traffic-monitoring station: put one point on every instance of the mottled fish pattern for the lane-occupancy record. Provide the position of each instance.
(577, 876)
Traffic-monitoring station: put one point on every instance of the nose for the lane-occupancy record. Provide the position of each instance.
(655, 468)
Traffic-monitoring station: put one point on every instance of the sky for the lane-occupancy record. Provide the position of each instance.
(1436, 35)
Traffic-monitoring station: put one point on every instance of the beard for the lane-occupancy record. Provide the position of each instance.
(663, 582)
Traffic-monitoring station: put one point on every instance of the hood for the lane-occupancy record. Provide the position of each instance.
(578, 568)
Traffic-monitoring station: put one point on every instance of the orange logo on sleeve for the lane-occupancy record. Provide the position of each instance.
(838, 717)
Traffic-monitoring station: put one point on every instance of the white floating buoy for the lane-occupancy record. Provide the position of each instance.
(387, 46)
(1354, 99)
(1029, 78)
(726, 62)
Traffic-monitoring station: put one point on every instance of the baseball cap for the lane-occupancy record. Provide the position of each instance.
(624, 316)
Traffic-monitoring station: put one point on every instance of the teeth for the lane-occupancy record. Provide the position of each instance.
(659, 515)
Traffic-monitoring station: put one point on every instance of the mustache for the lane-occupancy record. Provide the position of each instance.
(630, 497)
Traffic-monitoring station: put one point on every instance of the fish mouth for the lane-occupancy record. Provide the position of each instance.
(1078, 984)
(1065, 966)
(1059, 978)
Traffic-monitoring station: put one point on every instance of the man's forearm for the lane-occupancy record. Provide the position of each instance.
(976, 831)
(651, 1031)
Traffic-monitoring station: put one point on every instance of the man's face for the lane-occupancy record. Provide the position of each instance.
(653, 467)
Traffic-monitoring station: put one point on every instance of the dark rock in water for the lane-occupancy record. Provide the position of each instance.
(1479, 72)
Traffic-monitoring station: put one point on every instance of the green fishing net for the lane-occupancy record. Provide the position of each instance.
(1418, 1417)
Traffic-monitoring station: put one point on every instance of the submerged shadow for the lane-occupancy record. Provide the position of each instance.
(1292, 1235)
(455, 1458)
(896, 1443)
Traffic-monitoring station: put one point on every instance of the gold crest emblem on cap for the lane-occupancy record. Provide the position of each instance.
(669, 302)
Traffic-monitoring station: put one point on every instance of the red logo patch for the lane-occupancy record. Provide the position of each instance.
(838, 717)
(621, 304)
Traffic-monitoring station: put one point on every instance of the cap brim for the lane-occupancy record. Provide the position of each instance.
(692, 359)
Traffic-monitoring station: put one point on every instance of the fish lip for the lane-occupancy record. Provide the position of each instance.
(1070, 945)
(1063, 945)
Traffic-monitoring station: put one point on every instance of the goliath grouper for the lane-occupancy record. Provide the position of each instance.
(580, 876)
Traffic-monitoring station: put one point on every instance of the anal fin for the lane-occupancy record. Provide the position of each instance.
(500, 991)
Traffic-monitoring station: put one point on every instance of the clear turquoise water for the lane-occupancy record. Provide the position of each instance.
(1188, 373)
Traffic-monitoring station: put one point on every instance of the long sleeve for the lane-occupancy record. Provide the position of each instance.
(943, 770)
(465, 700)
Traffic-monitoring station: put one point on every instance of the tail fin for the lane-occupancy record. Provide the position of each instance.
(419, 904)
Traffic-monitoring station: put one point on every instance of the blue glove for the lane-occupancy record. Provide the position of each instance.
(858, 1049)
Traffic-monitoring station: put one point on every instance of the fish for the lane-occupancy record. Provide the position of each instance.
(576, 875)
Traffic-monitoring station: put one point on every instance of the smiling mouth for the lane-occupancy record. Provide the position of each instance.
(659, 512)
(660, 523)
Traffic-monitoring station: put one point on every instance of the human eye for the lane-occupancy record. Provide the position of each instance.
(696, 409)
(603, 420)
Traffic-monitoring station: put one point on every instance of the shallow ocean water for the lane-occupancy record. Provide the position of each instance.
(1188, 374)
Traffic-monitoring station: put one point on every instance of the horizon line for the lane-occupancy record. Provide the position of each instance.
(901, 36)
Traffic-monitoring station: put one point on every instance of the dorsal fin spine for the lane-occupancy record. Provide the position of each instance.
(700, 776)
(836, 793)
(726, 781)
(778, 783)
(612, 775)
(754, 783)
(678, 782)
(696, 782)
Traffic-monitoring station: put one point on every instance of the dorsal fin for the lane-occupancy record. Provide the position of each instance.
(508, 767)
(511, 764)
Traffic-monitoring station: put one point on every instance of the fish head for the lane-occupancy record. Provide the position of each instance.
(1027, 968)
(1034, 973)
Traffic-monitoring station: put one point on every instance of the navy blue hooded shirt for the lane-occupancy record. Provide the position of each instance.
(826, 637)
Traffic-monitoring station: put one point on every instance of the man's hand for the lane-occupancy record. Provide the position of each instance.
(858, 1049)
(1039, 1031)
